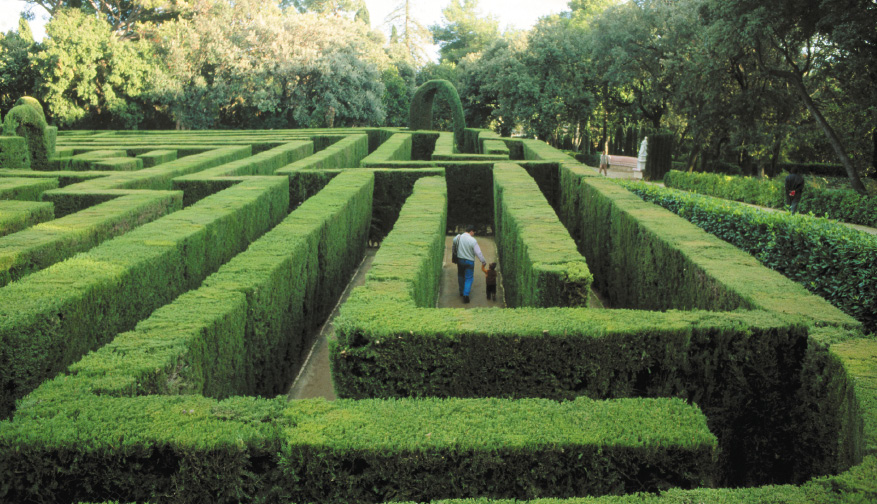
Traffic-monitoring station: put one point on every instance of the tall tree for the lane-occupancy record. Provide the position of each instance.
(785, 39)
(17, 74)
(124, 16)
(90, 78)
(245, 63)
(411, 35)
(465, 30)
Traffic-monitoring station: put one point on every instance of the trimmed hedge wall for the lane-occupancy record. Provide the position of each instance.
(397, 148)
(345, 153)
(413, 250)
(541, 266)
(157, 157)
(50, 318)
(845, 205)
(212, 180)
(829, 259)
(13, 153)
(387, 347)
(75, 197)
(246, 329)
(188, 448)
(43, 245)
(18, 215)
(676, 266)
(857, 485)
(25, 189)
(420, 110)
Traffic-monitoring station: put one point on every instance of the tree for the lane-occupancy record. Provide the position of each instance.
(123, 16)
(90, 78)
(17, 74)
(247, 64)
(465, 30)
(561, 71)
(411, 35)
(785, 39)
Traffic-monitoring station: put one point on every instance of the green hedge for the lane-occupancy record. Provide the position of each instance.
(444, 145)
(397, 148)
(157, 157)
(470, 195)
(50, 318)
(212, 180)
(75, 197)
(18, 215)
(420, 110)
(855, 486)
(345, 153)
(423, 144)
(85, 160)
(25, 189)
(829, 259)
(540, 263)
(841, 204)
(413, 250)
(246, 329)
(45, 244)
(13, 153)
(387, 347)
(188, 448)
(676, 265)
(26, 120)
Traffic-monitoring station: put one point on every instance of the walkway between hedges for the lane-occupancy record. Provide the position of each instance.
(449, 293)
(315, 378)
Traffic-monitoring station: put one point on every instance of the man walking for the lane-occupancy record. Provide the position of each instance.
(467, 250)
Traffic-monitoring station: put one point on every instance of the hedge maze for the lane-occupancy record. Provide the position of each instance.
(160, 290)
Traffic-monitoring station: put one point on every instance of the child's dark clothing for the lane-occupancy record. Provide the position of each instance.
(491, 282)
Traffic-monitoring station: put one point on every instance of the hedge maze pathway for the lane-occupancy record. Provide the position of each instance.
(162, 290)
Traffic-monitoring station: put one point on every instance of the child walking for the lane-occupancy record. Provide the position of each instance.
(491, 280)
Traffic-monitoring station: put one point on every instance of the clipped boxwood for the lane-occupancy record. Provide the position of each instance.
(157, 157)
(75, 197)
(841, 204)
(45, 244)
(25, 189)
(50, 318)
(206, 182)
(13, 153)
(541, 266)
(397, 148)
(18, 215)
(828, 259)
(344, 153)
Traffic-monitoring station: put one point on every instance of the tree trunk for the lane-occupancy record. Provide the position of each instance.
(855, 181)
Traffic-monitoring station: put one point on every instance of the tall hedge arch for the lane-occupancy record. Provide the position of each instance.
(420, 111)
(27, 119)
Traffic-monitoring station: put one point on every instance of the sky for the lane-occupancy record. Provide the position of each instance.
(521, 14)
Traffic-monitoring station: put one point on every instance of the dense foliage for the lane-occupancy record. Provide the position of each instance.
(738, 83)
(829, 259)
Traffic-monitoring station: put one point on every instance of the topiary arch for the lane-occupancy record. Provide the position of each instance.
(26, 119)
(420, 112)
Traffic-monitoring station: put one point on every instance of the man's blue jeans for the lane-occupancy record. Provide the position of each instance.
(465, 275)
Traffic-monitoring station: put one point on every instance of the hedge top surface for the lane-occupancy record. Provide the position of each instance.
(502, 424)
